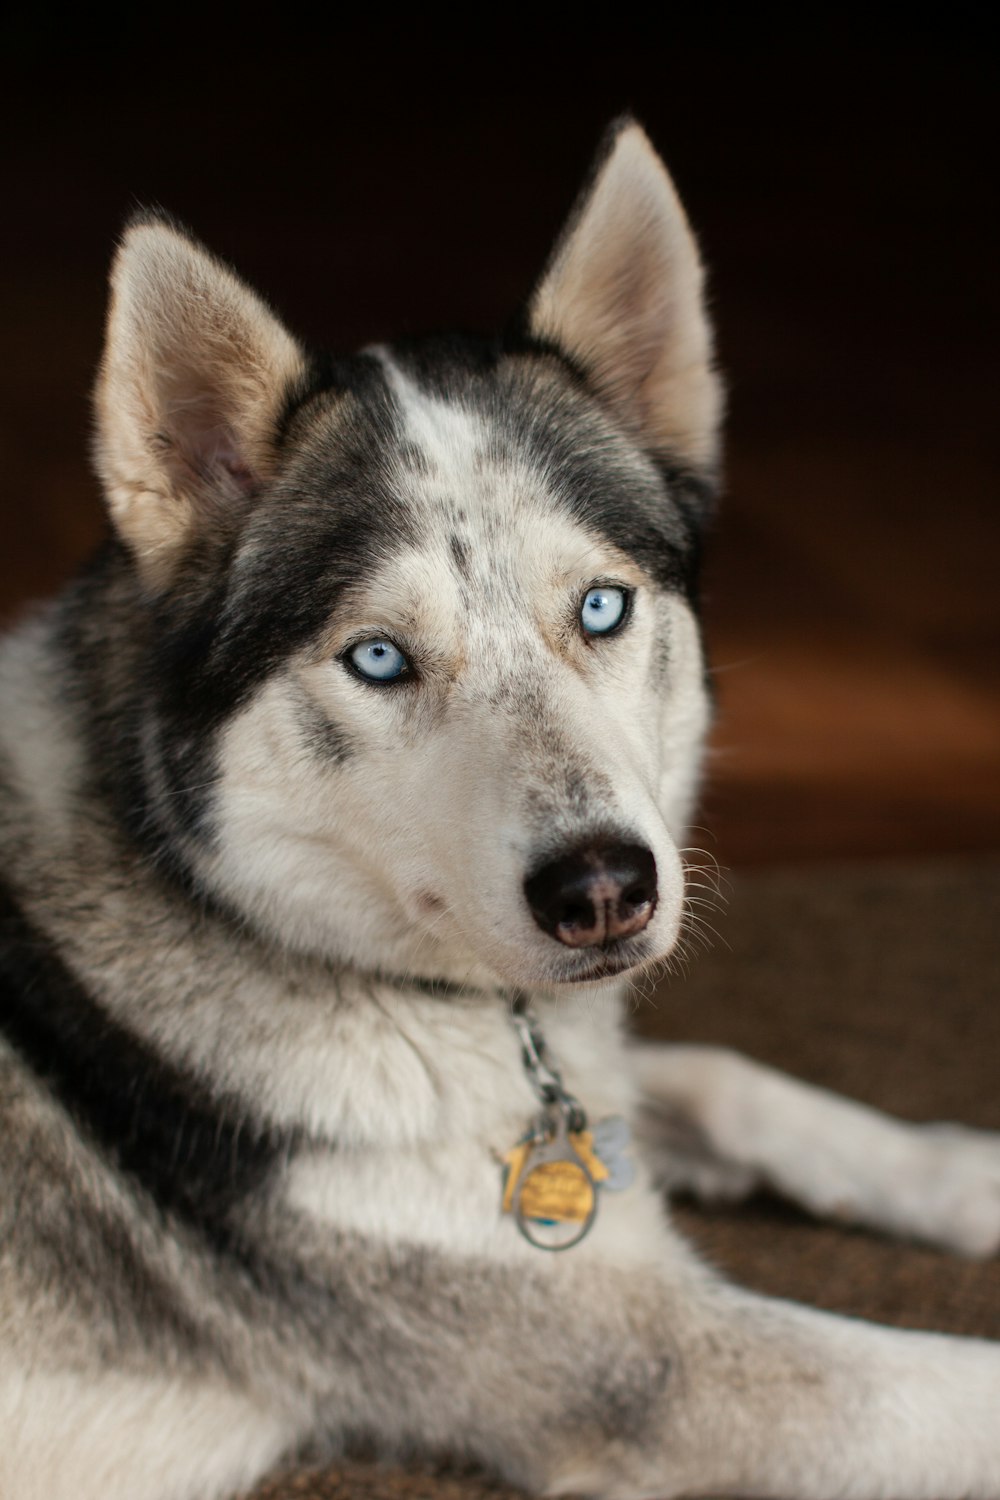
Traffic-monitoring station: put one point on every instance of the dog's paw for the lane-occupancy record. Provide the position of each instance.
(951, 1187)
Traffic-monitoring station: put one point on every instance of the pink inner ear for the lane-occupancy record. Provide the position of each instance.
(208, 447)
(238, 470)
(213, 455)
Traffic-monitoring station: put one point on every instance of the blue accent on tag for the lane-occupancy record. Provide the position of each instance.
(612, 1139)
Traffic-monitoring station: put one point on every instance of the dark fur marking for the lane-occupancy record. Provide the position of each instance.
(460, 555)
(254, 592)
(536, 404)
(626, 1399)
(413, 457)
(325, 739)
(75, 1246)
(196, 1155)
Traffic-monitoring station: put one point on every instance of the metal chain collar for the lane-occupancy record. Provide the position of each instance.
(541, 1068)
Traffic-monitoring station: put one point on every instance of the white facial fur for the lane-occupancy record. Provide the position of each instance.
(519, 737)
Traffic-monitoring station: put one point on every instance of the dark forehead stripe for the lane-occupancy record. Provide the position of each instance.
(196, 1155)
(535, 406)
(330, 517)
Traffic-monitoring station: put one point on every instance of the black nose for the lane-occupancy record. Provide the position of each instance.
(594, 894)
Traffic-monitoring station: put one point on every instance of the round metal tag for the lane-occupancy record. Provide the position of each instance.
(555, 1201)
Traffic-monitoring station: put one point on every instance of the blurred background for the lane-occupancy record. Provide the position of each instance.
(378, 178)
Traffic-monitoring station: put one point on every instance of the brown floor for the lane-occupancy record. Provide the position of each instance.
(853, 607)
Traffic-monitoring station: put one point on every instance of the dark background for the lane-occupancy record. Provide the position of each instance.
(379, 180)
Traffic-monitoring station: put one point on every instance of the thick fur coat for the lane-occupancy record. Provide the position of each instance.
(375, 725)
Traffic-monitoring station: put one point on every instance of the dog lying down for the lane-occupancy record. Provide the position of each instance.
(343, 794)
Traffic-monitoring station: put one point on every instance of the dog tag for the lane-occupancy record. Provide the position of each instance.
(551, 1186)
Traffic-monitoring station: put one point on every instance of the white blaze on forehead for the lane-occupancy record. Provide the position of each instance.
(455, 442)
(516, 539)
(450, 437)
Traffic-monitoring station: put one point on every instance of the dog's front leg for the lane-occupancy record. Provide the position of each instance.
(721, 1124)
(583, 1376)
(781, 1400)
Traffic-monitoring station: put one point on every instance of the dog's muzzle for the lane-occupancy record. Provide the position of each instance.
(595, 894)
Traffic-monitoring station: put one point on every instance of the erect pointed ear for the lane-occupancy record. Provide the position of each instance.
(622, 295)
(195, 374)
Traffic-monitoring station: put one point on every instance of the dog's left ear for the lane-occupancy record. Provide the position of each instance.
(195, 375)
(622, 295)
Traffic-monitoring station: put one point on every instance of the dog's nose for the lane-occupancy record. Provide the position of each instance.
(594, 894)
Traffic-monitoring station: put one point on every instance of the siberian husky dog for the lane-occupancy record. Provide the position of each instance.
(344, 793)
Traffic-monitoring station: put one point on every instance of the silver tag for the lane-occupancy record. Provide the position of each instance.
(560, 1206)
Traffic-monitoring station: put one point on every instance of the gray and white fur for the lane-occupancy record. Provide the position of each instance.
(264, 914)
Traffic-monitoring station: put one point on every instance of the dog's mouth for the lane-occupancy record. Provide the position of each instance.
(610, 962)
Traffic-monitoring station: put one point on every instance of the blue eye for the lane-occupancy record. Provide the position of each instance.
(603, 609)
(378, 661)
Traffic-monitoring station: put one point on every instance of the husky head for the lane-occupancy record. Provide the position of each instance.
(418, 685)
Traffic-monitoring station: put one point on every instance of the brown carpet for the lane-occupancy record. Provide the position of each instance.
(879, 981)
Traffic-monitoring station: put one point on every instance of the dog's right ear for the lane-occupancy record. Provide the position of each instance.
(622, 295)
(195, 374)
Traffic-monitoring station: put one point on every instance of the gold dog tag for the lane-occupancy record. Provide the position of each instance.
(551, 1183)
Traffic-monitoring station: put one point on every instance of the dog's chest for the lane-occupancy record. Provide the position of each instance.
(425, 1164)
